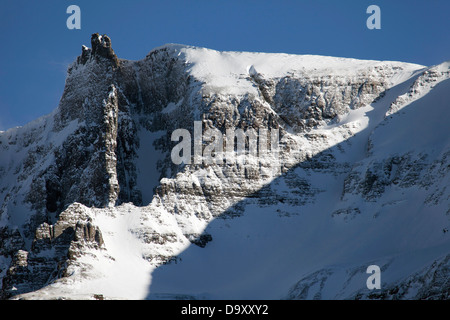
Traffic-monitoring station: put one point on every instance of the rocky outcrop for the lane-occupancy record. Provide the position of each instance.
(100, 48)
(53, 250)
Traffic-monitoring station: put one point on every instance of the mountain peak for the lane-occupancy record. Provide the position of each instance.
(101, 47)
(93, 188)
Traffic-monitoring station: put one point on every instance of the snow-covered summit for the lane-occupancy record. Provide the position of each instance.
(230, 69)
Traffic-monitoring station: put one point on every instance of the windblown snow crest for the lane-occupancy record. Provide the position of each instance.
(92, 205)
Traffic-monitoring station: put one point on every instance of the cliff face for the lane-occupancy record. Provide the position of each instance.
(92, 203)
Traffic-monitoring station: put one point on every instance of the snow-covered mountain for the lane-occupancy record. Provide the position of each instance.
(92, 205)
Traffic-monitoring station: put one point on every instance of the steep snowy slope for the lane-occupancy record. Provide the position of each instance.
(92, 203)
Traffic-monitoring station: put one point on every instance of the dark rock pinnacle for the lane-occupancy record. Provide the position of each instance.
(101, 47)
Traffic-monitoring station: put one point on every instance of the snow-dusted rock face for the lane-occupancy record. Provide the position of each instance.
(92, 205)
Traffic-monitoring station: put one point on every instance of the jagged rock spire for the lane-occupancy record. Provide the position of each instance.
(101, 47)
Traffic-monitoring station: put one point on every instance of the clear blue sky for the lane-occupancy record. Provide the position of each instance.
(36, 45)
